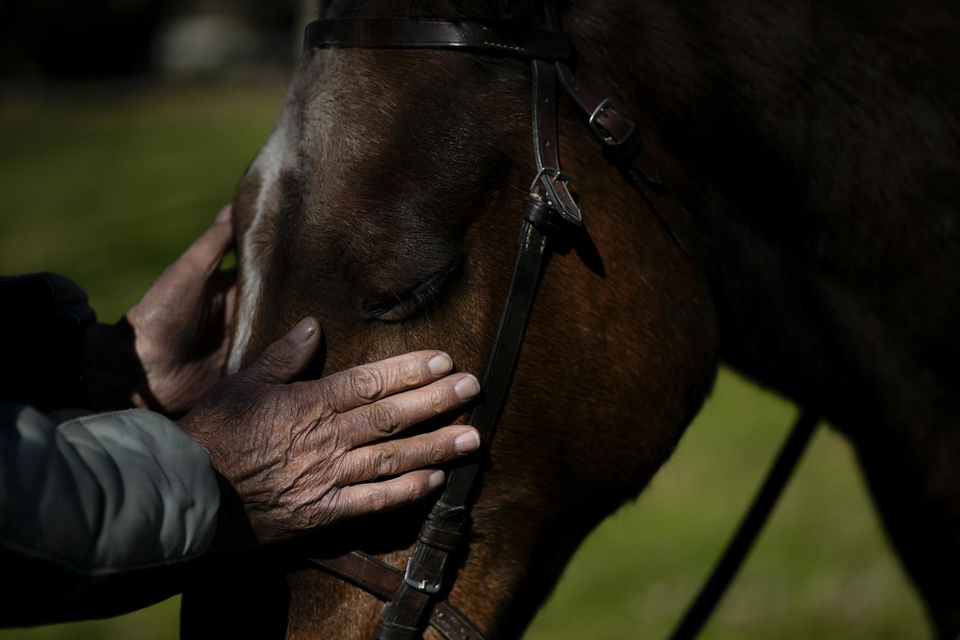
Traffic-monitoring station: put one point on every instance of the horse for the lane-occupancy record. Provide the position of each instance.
(814, 151)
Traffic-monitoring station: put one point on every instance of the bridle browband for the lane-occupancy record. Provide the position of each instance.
(396, 33)
(416, 597)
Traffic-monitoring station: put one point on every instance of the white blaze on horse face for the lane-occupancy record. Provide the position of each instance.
(306, 125)
(278, 155)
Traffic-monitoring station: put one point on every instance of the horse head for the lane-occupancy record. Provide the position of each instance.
(387, 204)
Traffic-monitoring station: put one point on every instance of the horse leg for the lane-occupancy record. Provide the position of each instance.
(914, 478)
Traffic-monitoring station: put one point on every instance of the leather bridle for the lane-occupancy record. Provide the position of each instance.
(416, 597)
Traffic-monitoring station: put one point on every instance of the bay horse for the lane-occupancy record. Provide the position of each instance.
(815, 150)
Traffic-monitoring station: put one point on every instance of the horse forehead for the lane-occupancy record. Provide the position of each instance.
(317, 167)
(342, 117)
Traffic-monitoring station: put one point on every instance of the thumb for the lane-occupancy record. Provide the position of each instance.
(286, 358)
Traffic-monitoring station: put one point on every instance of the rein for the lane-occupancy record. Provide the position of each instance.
(415, 597)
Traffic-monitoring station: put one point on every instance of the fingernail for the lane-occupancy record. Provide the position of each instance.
(304, 330)
(440, 365)
(467, 388)
(436, 479)
(225, 214)
(467, 442)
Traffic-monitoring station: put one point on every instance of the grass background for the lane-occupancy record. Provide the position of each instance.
(108, 184)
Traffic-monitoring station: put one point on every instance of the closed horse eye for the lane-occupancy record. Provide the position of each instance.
(396, 307)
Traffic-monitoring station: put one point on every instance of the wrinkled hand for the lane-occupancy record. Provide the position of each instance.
(301, 456)
(182, 324)
(169, 349)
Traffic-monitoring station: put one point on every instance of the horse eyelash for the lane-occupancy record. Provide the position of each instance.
(409, 302)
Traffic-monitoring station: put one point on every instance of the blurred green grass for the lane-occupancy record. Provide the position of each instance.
(108, 184)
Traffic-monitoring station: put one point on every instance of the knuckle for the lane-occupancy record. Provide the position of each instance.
(438, 451)
(368, 383)
(385, 460)
(440, 400)
(377, 499)
(385, 418)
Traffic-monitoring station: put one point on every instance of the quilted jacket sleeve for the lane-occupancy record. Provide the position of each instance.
(99, 513)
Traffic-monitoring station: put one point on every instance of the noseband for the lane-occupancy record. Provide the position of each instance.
(416, 597)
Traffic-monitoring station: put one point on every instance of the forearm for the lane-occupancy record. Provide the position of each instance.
(100, 499)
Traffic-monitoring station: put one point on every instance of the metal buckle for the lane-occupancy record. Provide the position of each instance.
(599, 129)
(549, 171)
(421, 585)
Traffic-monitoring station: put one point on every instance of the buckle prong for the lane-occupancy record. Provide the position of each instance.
(557, 174)
(421, 585)
(600, 130)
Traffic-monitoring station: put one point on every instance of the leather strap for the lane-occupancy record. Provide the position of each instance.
(427, 569)
(382, 580)
(608, 123)
(404, 617)
(750, 527)
(546, 144)
(391, 33)
(624, 148)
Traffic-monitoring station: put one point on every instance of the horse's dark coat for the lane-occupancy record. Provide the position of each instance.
(816, 147)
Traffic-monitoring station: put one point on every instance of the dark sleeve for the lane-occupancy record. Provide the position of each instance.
(43, 318)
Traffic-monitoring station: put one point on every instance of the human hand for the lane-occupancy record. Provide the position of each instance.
(170, 348)
(302, 456)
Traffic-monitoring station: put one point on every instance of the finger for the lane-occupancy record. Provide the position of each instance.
(204, 256)
(368, 383)
(229, 282)
(365, 499)
(391, 415)
(398, 456)
(222, 289)
(286, 358)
